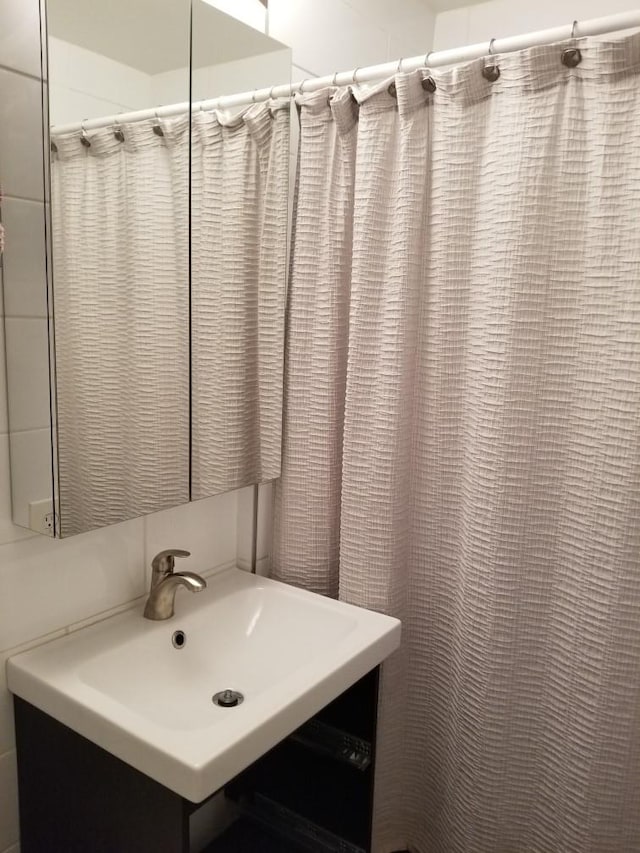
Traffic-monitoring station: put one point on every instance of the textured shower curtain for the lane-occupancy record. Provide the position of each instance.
(462, 437)
(239, 206)
(120, 220)
(123, 293)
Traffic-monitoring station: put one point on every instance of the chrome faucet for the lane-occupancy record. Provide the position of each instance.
(165, 583)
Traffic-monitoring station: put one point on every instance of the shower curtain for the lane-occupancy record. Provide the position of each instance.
(127, 291)
(462, 436)
(120, 219)
(240, 208)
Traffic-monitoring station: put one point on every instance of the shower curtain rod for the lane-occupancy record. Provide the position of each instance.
(433, 59)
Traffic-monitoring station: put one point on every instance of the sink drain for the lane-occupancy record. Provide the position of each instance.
(179, 639)
(227, 698)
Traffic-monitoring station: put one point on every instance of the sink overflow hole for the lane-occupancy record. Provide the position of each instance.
(227, 698)
(179, 639)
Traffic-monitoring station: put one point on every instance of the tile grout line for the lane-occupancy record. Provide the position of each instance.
(11, 432)
(11, 197)
(27, 74)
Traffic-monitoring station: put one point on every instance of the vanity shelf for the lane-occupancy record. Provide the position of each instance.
(294, 828)
(315, 788)
(245, 835)
(270, 828)
(307, 789)
(335, 743)
(303, 796)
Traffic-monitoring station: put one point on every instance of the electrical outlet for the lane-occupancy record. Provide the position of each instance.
(42, 517)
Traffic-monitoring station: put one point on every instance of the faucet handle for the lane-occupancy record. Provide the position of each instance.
(163, 563)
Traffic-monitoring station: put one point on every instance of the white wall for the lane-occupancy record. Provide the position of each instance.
(338, 35)
(226, 78)
(500, 18)
(85, 85)
(242, 75)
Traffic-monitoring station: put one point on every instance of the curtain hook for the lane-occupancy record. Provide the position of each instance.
(118, 132)
(253, 96)
(354, 80)
(302, 85)
(157, 128)
(491, 71)
(391, 88)
(333, 86)
(572, 56)
(428, 83)
(84, 139)
(271, 93)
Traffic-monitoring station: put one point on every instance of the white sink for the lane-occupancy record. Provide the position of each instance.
(122, 683)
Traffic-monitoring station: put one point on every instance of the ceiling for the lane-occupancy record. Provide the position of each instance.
(445, 5)
(153, 35)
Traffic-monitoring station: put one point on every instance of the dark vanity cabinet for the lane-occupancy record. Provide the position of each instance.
(311, 792)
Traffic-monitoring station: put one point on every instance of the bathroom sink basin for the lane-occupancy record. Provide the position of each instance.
(143, 690)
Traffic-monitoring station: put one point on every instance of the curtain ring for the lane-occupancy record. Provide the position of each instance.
(333, 85)
(302, 85)
(84, 139)
(354, 77)
(118, 133)
(572, 56)
(428, 83)
(271, 93)
(157, 129)
(253, 96)
(491, 71)
(391, 88)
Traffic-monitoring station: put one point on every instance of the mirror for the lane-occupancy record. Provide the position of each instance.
(120, 260)
(239, 208)
(157, 373)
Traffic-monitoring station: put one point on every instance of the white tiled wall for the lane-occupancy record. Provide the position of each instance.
(103, 88)
(19, 50)
(49, 587)
(500, 18)
(226, 78)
